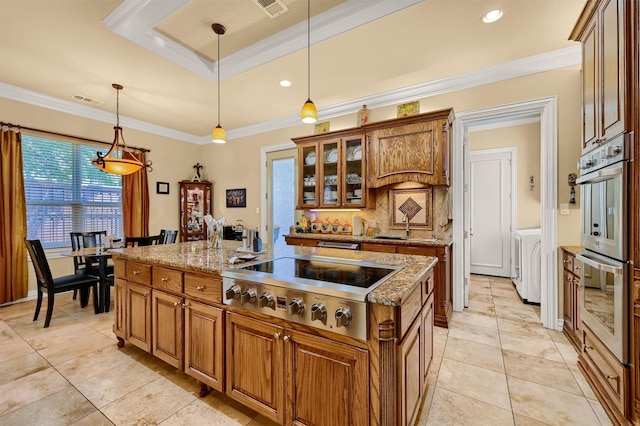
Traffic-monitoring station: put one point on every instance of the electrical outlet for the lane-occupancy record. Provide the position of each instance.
(564, 208)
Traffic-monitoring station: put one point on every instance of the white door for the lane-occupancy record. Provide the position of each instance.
(490, 195)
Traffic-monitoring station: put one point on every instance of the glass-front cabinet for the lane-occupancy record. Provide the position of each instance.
(331, 172)
(195, 204)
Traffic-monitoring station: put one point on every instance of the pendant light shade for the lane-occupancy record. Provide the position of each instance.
(218, 135)
(309, 113)
(119, 160)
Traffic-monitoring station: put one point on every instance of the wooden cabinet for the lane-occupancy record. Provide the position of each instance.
(605, 70)
(573, 298)
(195, 204)
(412, 149)
(119, 318)
(326, 381)
(331, 171)
(204, 344)
(168, 317)
(138, 329)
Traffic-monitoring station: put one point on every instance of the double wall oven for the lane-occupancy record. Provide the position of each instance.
(603, 182)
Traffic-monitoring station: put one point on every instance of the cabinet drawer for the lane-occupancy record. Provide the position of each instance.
(427, 286)
(409, 309)
(201, 287)
(382, 248)
(605, 368)
(138, 273)
(577, 268)
(567, 261)
(167, 279)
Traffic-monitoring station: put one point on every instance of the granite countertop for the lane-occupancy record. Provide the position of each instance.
(442, 242)
(196, 257)
(572, 249)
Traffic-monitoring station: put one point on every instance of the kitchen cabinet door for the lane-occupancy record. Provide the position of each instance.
(168, 319)
(327, 382)
(139, 316)
(426, 343)
(255, 365)
(410, 374)
(309, 185)
(330, 173)
(203, 344)
(120, 308)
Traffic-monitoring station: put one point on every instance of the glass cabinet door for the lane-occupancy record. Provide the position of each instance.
(353, 175)
(330, 169)
(308, 195)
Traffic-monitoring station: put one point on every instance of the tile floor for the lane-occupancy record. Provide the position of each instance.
(495, 365)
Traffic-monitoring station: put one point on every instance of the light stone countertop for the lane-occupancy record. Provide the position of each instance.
(572, 249)
(196, 257)
(442, 242)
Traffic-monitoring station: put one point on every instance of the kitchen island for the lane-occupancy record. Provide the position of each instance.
(171, 301)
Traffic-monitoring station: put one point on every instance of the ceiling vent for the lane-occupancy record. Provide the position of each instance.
(87, 100)
(273, 8)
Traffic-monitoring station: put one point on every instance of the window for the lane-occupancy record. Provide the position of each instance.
(65, 192)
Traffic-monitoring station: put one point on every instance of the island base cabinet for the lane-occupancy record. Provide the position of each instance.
(120, 314)
(326, 382)
(167, 313)
(138, 329)
(408, 370)
(255, 365)
(203, 344)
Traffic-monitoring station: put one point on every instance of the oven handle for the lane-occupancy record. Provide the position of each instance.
(600, 266)
(613, 170)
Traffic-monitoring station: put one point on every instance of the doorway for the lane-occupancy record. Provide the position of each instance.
(278, 186)
(545, 109)
(492, 210)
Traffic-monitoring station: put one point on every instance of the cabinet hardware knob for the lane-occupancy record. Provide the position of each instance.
(610, 377)
(164, 279)
(185, 305)
(286, 338)
(145, 294)
(136, 272)
(200, 288)
(276, 335)
(577, 268)
(176, 303)
(588, 347)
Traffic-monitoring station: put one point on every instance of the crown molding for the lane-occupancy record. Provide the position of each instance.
(519, 68)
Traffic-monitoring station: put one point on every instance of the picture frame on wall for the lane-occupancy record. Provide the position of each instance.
(236, 197)
(162, 187)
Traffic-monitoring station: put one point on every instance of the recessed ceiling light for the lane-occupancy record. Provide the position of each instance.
(492, 16)
(285, 83)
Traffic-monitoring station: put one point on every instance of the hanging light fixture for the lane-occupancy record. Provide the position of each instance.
(119, 160)
(309, 114)
(218, 135)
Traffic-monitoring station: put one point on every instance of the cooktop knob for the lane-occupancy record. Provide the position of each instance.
(296, 306)
(248, 296)
(318, 312)
(266, 300)
(233, 292)
(343, 317)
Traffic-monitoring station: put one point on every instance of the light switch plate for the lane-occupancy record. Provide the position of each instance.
(564, 208)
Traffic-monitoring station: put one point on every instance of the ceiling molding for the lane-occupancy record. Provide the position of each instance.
(135, 19)
(532, 65)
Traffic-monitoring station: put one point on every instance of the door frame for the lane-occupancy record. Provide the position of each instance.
(264, 205)
(512, 151)
(546, 109)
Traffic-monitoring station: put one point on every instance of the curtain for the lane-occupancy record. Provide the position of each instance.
(14, 278)
(135, 202)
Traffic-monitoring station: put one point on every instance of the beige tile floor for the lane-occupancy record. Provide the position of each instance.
(495, 365)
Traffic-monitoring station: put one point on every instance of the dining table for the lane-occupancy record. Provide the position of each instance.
(100, 255)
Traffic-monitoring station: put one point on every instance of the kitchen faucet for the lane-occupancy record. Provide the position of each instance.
(405, 218)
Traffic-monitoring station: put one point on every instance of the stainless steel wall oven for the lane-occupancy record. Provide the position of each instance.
(603, 206)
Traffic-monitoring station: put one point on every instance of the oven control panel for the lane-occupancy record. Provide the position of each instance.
(609, 153)
(345, 317)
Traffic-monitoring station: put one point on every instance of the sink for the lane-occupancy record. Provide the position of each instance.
(389, 237)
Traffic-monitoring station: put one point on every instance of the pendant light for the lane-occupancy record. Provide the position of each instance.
(218, 135)
(119, 160)
(309, 114)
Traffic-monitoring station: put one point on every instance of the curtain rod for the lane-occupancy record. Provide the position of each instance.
(2, 123)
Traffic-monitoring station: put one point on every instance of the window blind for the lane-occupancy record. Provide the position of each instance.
(65, 192)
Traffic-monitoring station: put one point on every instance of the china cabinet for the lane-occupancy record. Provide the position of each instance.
(195, 204)
(332, 171)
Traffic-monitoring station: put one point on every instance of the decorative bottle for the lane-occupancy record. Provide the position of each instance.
(363, 116)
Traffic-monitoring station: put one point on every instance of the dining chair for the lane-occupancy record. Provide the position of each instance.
(46, 283)
(169, 236)
(143, 241)
(82, 265)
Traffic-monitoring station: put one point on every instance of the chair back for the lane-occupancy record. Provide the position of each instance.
(169, 237)
(85, 240)
(143, 241)
(40, 263)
